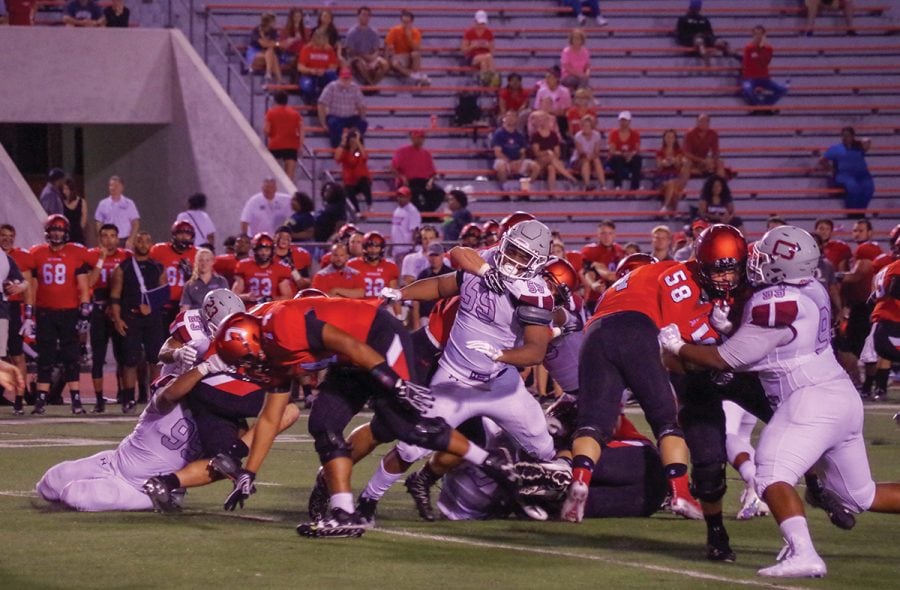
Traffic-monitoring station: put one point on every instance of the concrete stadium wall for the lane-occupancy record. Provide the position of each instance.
(17, 204)
(151, 112)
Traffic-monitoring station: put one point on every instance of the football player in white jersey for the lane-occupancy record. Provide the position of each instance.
(785, 335)
(491, 336)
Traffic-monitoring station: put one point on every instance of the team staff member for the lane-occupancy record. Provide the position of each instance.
(61, 307)
(14, 348)
(136, 321)
(337, 279)
(177, 259)
(106, 258)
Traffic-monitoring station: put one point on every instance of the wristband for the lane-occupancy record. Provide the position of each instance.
(29, 311)
(385, 375)
(483, 270)
(99, 264)
(203, 369)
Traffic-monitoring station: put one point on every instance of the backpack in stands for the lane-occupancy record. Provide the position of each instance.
(467, 109)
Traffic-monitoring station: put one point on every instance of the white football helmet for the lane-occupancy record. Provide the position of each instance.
(218, 305)
(524, 250)
(785, 254)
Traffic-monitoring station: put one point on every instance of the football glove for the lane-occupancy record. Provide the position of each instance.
(391, 295)
(185, 268)
(415, 396)
(186, 355)
(84, 318)
(719, 318)
(243, 489)
(494, 281)
(486, 348)
(670, 339)
(213, 364)
(27, 331)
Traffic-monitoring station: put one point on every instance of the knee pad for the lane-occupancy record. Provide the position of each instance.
(708, 482)
(330, 445)
(238, 451)
(431, 433)
(594, 433)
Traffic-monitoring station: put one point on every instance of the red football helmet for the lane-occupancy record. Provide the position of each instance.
(182, 227)
(347, 230)
(56, 223)
(239, 341)
(309, 292)
(895, 240)
(512, 219)
(490, 233)
(261, 241)
(561, 276)
(470, 235)
(373, 246)
(633, 261)
(721, 248)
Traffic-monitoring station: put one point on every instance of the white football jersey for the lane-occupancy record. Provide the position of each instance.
(785, 335)
(561, 360)
(188, 328)
(484, 315)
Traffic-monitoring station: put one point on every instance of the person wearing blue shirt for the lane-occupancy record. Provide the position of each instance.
(850, 172)
(510, 147)
(83, 13)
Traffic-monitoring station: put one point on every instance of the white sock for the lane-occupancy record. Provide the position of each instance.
(342, 500)
(748, 473)
(475, 454)
(380, 482)
(796, 531)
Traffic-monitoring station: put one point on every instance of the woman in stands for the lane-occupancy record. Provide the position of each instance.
(584, 105)
(545, 146)
(75, 210)
(292, 36)
(352, 157)
(716, 204)
(326, 25)
(264, 48)
(575, 62)
(669, 161)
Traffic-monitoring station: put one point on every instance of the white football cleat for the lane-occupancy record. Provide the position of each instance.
(686, 507)
(573, 506)
(796, 566)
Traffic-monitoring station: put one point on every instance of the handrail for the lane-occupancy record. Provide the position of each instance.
(229, 67)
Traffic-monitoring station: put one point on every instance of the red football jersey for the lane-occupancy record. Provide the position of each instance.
(882, 261)
(837, 252)
(329, 278)
(376, 277)
(225, 265)
(441, 319)
(300, 258)
(55, 273)
(858, 292)
(25, 262)
(100, 290)
(887, 309)
(176, 266)
(259, 281)
(608, 256)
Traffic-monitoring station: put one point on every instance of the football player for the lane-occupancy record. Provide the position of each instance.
(226, 263)
(470, 235)
(16, 300)
(60, 304)
(177, 258)
(296, 258)
(377, 272)
(883, 313)
(260, 279)
(785, 335)
(490, 233)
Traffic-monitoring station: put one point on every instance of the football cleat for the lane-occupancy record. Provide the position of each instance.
(128, 407)
(39, 409)
(718, 545)
(827, 501)
(686, 507)
(751, 505)
(366, 508)
(573, 505)
(419, 488)
(340, 524)
(500, 468)
(99, 406)
(77, 408)
(18, 407)
(163, 498)
(550, 474)
(793, 565)
(318, 498)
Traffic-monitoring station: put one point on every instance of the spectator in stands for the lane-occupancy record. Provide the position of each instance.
(625, 153)
(203, 280)
(293, 36)
(117, 15)
(20, 12)
(513, 97)
(510, 149)
(586, 157)
(578, 12)
(669, 164)
(436, 265)
(317, 65)
(716, 204)
(561, 98)
(403, 45)
(341, 107)
(355, 175)
(196, 215)
(120, 211)
(83, 13)
(337, 279)
(362, 48)
(459, 217)
(283, 128)
(575, 62)
(545, 110)
(52, 194)
(774, 221)
(661, 243)
(266, 210)
(584, 105)
(546, 150)
(694, 30)
(696, 227)
(701, 152)
(814, 6)
(478, 48)
(836, 251)
(75, 210)
(404, 221)
(264, 48)
(325, 24)
(301, 223)
(757, 86)
(413, 166)
(333, 214)
(417, 261)
(847, 162)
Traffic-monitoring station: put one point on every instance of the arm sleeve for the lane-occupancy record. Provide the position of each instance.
(752, 343)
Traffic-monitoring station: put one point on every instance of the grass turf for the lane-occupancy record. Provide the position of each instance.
(45, 547)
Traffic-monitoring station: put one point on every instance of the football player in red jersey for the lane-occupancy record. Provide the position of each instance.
(14, 347)
(260, 279)
(177, 259)
(490, 233)
(105, 258)
(470, 236)
(377, 272)
(837, 252)
(226, 263)
(296, 258)
(886, 315)
(62, 308)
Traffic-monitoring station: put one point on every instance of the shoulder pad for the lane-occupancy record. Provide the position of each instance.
(536, 316)
(533, 292)
(773, 308)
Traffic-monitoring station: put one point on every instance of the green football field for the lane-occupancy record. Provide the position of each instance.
(45, 547)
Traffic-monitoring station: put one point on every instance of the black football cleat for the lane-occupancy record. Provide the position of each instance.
(162, 497)
(365, 509)
(827, 501)
(419, 487)
(129, 407)
(99, 406)
(78, 409)
(500, 468)
(318, 498)
(718, 546)
(39, 409)
(339, 524)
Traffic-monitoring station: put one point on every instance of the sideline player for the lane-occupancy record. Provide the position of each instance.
(260, 278)
(177, 258)
(785, 336)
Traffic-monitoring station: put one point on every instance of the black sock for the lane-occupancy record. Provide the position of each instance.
(127, 394)
(171, 480)
(867, 384)
(99, 399)
(76, 397)
(41, 398)
(812, 482)
(428, 474)
(881, 379)
(713, 521)
(674, 470)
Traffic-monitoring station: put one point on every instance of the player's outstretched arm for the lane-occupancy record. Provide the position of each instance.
(267, 426)
(429, 289)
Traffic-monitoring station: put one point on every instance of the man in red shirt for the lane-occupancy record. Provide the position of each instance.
(837, 252)
(701, 152)
(284, 132)
(226, 263)
(177, 259)
(21, 12)
(14, 343)
(338, 279)
(260, 279)
(318, 64)
(61, 308)
(377, 272)
(413, 166)
(599, 261)
(755, 73)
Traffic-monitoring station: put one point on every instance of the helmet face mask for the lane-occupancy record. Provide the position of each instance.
(562, 279)
(524, 250)
(721, 252)
(373, 247)
(785, 254)
(56, 230)
(218, 305)
(182, 235)
(470, 235)
(263, 246)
